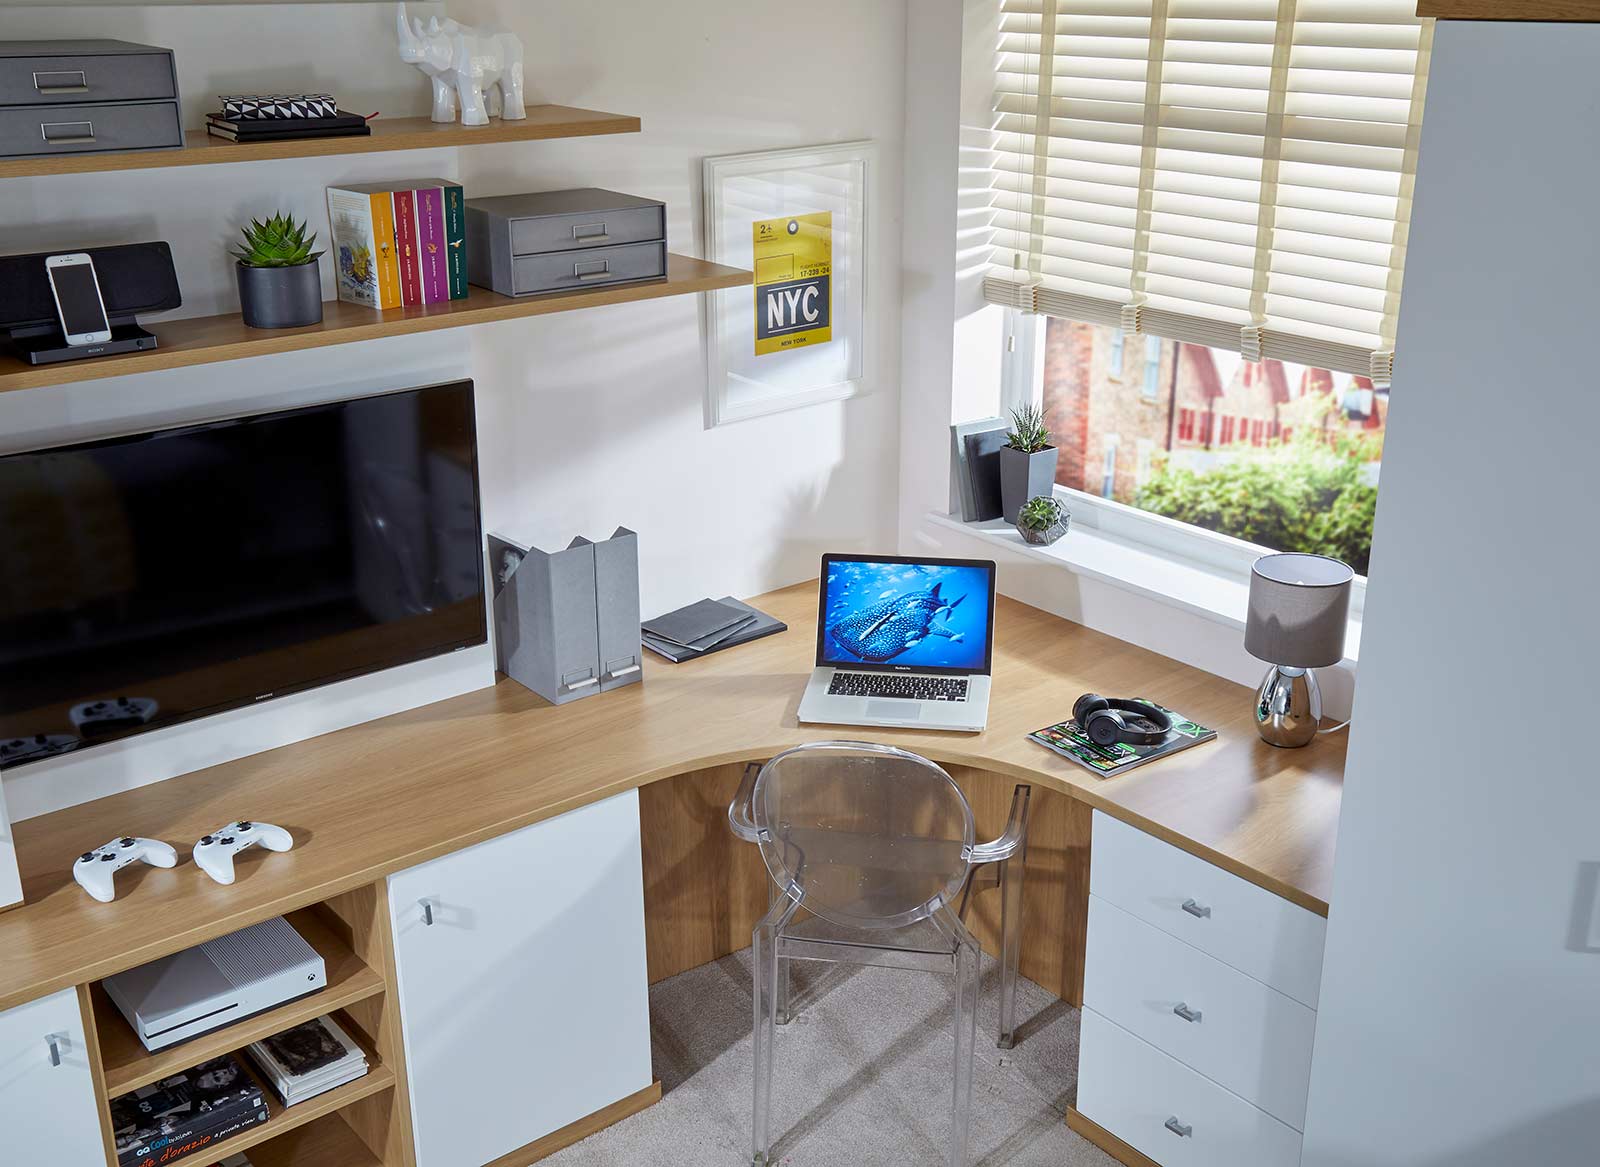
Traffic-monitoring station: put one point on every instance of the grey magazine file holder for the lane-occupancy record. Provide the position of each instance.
(554, 611)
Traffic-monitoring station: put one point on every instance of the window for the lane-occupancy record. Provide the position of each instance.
(1232, 173)
(1296, 461)
(1116, 352)
(1152, 368)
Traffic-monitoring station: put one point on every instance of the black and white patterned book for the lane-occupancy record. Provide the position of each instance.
(278, 106)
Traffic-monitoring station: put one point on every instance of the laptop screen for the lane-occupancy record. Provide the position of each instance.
(912, 615)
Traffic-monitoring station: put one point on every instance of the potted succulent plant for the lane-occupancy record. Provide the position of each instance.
(1027, 460)
(1043, 520)
(280, 280)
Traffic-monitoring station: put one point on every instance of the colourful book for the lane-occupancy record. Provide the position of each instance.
(388, 266)
(455, 235)
(405, 234)
(431, 245)
(1068, 739)
(355, 243)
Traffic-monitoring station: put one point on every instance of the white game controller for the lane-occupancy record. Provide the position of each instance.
(40, 745)
(94, 869)
(99, 718)
(214, 853)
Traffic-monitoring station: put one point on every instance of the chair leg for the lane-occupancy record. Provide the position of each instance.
(764, 950)
(783, 1010)
(1011, 882)
(968, 965)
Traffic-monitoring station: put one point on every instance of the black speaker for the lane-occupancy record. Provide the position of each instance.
(134, 278)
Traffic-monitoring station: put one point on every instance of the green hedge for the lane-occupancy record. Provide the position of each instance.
(1303, 495)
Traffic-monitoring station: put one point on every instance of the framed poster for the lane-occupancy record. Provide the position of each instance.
(799, 336)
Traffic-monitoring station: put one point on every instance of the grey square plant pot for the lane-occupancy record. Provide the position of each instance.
(1024, 476)
(280, 297)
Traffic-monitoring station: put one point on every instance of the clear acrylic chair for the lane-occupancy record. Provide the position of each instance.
(874, 845)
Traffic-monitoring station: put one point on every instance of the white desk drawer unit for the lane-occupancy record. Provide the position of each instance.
(1236, 1031)
(1167, 1111)
(1200, 994)
(1258, 933)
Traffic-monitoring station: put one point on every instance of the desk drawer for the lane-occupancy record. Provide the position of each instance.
(1135, 1091)
(1258, 933)
(1242, 1035)
(43, 130)
(91, 77)
(567, 271)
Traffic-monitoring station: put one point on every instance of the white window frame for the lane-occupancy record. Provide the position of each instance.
(1022, 383)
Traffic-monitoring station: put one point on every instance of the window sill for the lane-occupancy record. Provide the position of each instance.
(1165, 578)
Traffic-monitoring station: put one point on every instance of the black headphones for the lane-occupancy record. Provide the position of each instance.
(1102, 720)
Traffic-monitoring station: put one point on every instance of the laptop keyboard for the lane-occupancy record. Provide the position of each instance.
(909, 686)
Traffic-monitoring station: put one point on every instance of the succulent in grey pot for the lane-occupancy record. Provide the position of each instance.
(280, 280)
(1027, 461)
(1043, 520)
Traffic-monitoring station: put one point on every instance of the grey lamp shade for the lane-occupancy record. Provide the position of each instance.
(1298, 608)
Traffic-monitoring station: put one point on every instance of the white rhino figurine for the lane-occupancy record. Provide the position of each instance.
(483, 67)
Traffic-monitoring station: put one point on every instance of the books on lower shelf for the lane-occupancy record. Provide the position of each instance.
(185, 1115)
(399, 244)
(1068, 740)
(310, 1059)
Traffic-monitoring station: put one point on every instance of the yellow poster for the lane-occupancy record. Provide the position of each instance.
(794, 282)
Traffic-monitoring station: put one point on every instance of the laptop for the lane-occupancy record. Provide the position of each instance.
(903, 642)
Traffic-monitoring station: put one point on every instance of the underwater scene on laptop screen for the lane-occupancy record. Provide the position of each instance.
(906, 614)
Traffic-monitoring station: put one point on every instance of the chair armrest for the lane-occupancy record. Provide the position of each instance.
(739, 820)
(1014, 838)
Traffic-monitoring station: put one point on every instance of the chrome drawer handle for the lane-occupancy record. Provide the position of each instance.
(583, 684)
(65, 139)
(600, 273)
(1195, 910)
(1188, 1014)
(623, 672)
(1182, 1130)
(427, 912)
(43, 86)
(590, 233)
(54, 1042)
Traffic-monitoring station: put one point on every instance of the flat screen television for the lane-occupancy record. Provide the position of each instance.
(151, 579)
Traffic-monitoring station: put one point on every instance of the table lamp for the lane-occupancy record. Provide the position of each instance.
(1298, 608)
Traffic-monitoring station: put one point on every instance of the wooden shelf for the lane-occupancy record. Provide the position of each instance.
(204, 340)
(201, 149)
(327, 1142)
(129, 1065)
(287, 1118)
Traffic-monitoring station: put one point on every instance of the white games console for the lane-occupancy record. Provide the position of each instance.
(217, 983)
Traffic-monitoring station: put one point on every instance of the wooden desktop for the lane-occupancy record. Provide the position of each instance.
(374, 800)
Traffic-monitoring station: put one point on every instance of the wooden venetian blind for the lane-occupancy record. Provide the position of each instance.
(1236, 173)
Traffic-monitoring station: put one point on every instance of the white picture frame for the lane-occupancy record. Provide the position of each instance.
(738, 190)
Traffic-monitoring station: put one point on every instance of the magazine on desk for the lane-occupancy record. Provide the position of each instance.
(1068, 740)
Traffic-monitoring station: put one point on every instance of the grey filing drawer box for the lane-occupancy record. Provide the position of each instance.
(76, 97)
(562, 240)
(75, 129)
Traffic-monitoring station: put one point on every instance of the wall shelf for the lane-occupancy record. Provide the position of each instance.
(204, 340)
(128, 1065)
(201, 149)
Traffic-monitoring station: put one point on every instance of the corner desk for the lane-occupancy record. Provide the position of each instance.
(495, 860)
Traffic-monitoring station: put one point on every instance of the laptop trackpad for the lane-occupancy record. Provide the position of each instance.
(895, 710)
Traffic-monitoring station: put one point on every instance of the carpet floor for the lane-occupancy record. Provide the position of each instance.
(862, 1076)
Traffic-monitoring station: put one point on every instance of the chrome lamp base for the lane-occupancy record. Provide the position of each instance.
(1288, 707)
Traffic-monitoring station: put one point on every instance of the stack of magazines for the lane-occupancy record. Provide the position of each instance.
(309, 1059)
(186, 1115)
(707, 626)
(278, 117)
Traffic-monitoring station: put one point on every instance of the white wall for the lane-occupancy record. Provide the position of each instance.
(586, 421)
(1460, 1011)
